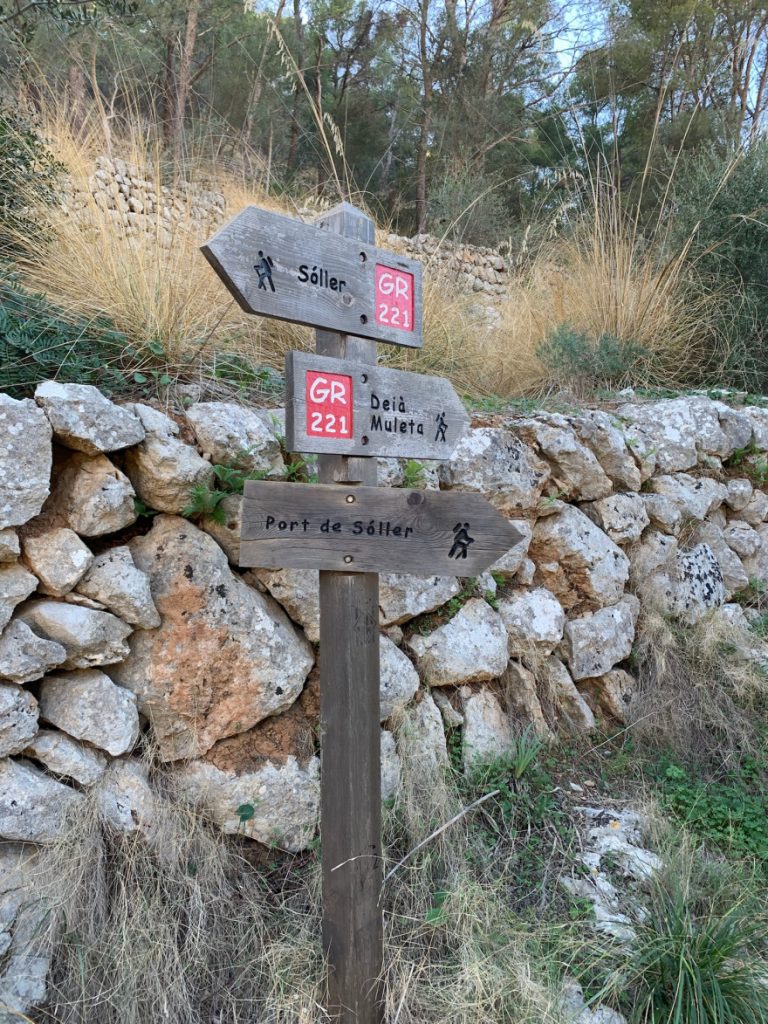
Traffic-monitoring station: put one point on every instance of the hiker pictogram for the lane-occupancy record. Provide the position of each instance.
(264, 269)
(461, 541)
(442, 426)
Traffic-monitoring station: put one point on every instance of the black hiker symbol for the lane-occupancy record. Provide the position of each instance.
(461, 541)
(264, 270)
(442, 426)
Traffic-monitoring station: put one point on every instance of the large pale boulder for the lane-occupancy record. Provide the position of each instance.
(82, 418)
(735, 577)
(572, 710)
(164, 470)
(604, 435)
(18, 719)
(285, 799)
(88, 706)
(575, 471)
(695, 497)
(523, 699)
(622, 516)
(58, 558)
(663, 513)
(93, 497)
(16, 584)
(33, 806)
(534, 621)
(399, 680)
(742, 538)
(225, 656)
(593, 644)
(577, 561)
(25, 656)
(233, 434)
(758, 418)
(298, 591)
(672, 427)
(88, 636)
(755, 511)
(65, 757)
(114, 581)
(496, 463)
(25, 460)
(472, 646)
(683, 584)
(736, 427)
(718, 428)
(404, 597)
(10, 548)
(487, 731)
(611, 693)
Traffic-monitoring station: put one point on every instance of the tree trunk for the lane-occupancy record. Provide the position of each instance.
(184, 76)
(426, 121)
(293, 145)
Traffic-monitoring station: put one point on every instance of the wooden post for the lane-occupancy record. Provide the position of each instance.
(350, 732)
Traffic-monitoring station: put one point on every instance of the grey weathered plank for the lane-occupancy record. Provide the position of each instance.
(371, 529)
(343, 298)
(350, 789)
(394, 413)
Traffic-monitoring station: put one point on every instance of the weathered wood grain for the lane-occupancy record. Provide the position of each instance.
(371, 529)
(393, 413)
(342, 296)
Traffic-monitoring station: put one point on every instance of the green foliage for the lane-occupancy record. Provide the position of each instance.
(245, 812)
(39, 342)
(468, 207)
(729, 812)
(572, 355)
(206, 501)
(28, 175)
(413, 474)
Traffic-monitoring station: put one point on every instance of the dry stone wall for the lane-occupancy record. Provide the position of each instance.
(121, 635)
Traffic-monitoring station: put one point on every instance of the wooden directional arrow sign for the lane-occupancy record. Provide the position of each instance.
(341, 407)
(280, 267)
(371, 529)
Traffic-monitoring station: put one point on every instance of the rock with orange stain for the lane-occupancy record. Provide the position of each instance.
(225, 656)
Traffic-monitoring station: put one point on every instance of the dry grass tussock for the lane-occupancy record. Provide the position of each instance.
(698, 693)
(183, 929)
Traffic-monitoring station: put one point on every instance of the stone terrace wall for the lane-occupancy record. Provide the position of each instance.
(120, 632)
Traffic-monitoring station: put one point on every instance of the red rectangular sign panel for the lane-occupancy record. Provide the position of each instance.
(394, 298)
(329, 404)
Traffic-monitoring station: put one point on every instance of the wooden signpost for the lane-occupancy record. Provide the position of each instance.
(332, 277)
(334, 405)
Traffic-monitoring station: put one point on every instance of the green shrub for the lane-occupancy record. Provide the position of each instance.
(573, 356)
(467, 207)
(28, 174)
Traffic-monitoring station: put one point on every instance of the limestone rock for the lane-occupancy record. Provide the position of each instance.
(10, 548)
(734, 575)
(66, 757)
(672, 428)
(511, 561)
(404, 597)
(742, 538)
(235, 435)
(88, 706)
(93, 497)
(25, 460)
(572, 709)
(755, 511)
(82, 418)
(594, 643)
(114, 581)
(472, 646)
(695, 497)
(390, 766)
(285, 799)
(757, 565)
(534, 621)
(89, 637)
(124, 797)
(224, 657)
(577, 561)
(739, 494)
(487, 731)
(164, 470)
(153, 421)
(717, 426)
(493, 462)
(602, 433)
(393, 473)
(663, 513)
(736, 427)
(399, 679)
(683, 584)
(18, 719)
(58, 558)
(25, 656)
(421, 743)
(758, 417)
(298, 591)
(526, 573)
(33, 806)
(523, 699)
(622, 516)
(575, 471)
(227, 533)
(16, 584)
(452, 719)
(610, 693)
